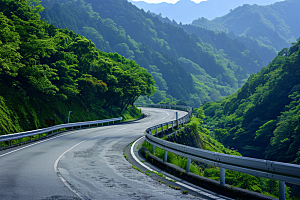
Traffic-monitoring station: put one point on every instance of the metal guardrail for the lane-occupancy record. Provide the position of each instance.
(284, 172)
(175, 123)
(50, 131)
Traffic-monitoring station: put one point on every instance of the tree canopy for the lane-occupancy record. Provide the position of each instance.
(40, 61)
(262, 118)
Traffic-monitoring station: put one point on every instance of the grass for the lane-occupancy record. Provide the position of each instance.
(214, 173)
(136, 168)
(157, 173)
(159, 129)
(174, 159)
(20, 115)
(125, 156)
(173, 187)
(138, 146)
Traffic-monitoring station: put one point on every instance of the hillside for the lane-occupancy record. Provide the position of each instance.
(273, 25)
(234, 47)
(186, 11)
(203, 72)
(262, 119)
(46, 71)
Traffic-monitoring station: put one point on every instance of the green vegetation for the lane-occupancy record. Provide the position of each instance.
(243, 51)
(262, 119)
(184, 192)
(183, 66)
(268, 28)
(236, 179)
(159, 129)
(157, 173)
(136, 168)
(173, 187)
(45, 72)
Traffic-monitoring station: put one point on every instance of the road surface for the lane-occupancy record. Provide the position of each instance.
(83, 164)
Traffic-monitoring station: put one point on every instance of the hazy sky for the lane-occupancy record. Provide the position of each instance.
(168, 1)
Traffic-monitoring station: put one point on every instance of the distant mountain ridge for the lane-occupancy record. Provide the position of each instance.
(182, 65)
(186, 11)
(275, 25)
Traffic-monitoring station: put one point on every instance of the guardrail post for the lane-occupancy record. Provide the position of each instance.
(281, 190)
(153, 149)
(177, 119)
(166, 156)
(162, 129)
(10, 142)
(222, 176)
(172, 125)
(188, 165)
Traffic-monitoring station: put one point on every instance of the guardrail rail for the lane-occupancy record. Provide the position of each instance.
(49, 131)
(283, 172)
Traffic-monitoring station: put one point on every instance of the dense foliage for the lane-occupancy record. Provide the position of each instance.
(194, 132)
(262, 118)
(183, 66)
(44, 70)
(244, 51)
(273, 25)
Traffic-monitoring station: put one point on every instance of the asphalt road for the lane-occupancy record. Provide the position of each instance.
(83, 164)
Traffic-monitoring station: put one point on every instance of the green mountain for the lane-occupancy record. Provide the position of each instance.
(239, 49)
(262, 119)
(183, 66)
(273, 25)
(46, 71)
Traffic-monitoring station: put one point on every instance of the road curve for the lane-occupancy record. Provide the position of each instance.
(83, 164)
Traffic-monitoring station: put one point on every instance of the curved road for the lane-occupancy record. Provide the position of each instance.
(83, 164)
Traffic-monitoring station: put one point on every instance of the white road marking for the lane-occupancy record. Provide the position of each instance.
(35, 144)
(45, 140)
(179, 183)
(57, 160)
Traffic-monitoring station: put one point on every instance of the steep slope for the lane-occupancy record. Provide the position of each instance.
(163, 49)
(242, 50)
(186, 11)
(262, 118)
(45, 72)
(273, 25)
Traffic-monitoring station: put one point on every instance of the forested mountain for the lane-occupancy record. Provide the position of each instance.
(183, 66)
(46, 71)
(263, 118)
(235, 47)
(274, 25)
(186, 11)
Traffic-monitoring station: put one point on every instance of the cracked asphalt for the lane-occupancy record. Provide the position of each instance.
(91, 165)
